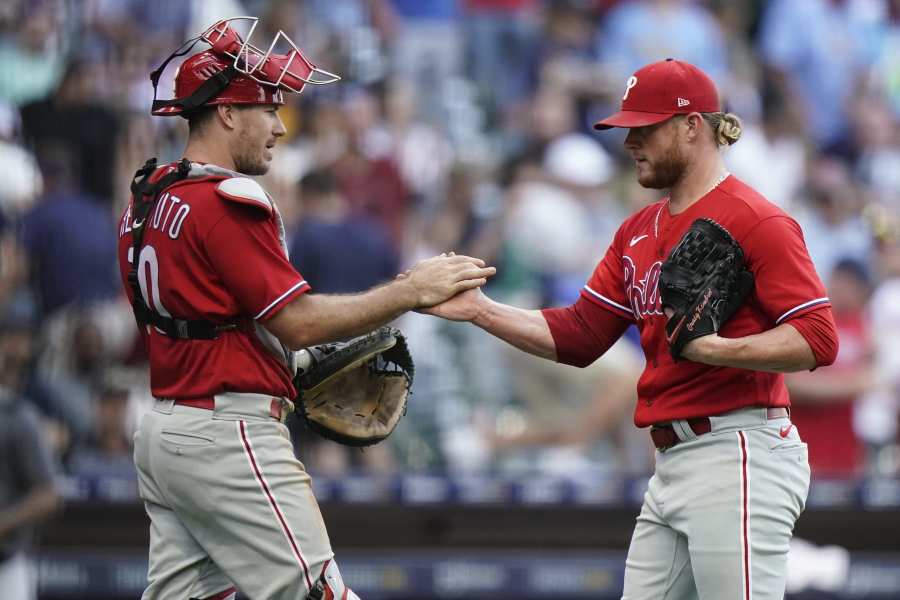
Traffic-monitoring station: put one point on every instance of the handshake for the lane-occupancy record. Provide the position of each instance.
(447, 286)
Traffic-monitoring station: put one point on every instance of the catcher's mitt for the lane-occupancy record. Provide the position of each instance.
(355, 392)
(703, 282)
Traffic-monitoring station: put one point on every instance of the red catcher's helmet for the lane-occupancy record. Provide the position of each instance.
(233, 71)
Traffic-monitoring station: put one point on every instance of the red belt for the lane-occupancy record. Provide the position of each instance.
(664, 436)
(276, 408)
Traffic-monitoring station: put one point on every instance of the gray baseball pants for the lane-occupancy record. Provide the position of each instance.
(229, 504)
(719, 513)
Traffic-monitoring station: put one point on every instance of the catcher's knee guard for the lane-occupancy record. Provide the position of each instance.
(330, 585)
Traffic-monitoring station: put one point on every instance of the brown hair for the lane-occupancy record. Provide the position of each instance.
(726, 127)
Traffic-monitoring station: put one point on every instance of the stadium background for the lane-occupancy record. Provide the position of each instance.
(459, 125)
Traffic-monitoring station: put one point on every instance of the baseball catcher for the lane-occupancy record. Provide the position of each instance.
(222, 312)
(355, 392)
(702, 283)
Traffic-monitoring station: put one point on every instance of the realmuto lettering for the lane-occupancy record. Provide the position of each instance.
(125, 225)
(642, 294)
(169, 216)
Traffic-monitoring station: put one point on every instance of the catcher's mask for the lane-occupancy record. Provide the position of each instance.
(233, 71)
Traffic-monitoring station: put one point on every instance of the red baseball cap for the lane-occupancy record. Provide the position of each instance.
(662, 90)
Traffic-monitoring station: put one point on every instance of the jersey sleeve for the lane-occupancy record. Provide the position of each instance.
(583, 332)
(606, 287)
(820, 332)
(245, 250)
(786, 282)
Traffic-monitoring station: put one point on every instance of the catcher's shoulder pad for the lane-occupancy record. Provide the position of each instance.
(244, 190)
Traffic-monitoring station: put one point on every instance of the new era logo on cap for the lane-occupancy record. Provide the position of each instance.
(664, 89)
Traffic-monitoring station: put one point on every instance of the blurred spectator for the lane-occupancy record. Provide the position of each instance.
(13, 266)
(818, 50)
(772, 155)
(32, 52)
(823, 403)
(879, 412)
(552, 114)
(645, 31)
(466, 222)
(27, 492)
(20, 179)
(885, 76)
(831, 218)
(56, 409)
(427, 49)
(421, 153)
(366, 176)
(73, 360)
(567, 57)
(559, 227)
(108, 449)
(338, 252)
(568, 421)
(501, 37)
(72, 116)
(876, 145)
(70, 239)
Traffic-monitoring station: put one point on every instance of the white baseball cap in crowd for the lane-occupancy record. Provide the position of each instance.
(577, 159)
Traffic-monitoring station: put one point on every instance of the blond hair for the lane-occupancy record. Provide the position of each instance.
(726, 127)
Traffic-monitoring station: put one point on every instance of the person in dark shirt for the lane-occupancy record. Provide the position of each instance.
(73, 116)
(340, 252)
(27, 492)
(69, 239)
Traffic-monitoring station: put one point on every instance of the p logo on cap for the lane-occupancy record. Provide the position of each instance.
(668, 87)
(632, 81)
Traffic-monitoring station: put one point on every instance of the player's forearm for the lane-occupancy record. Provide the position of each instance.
(779, 350)
(316, 318)
(527, 330)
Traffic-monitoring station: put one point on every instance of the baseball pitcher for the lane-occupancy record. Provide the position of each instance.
(720, 285)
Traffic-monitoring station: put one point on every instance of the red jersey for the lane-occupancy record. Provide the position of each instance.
(214, 249)
(786, 286)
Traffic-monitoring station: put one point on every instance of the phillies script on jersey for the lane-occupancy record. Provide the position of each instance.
(786, 286)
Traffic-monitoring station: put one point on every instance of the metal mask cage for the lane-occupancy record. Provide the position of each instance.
(265, 67)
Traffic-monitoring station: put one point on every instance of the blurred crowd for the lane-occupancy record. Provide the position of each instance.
(459, 125)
